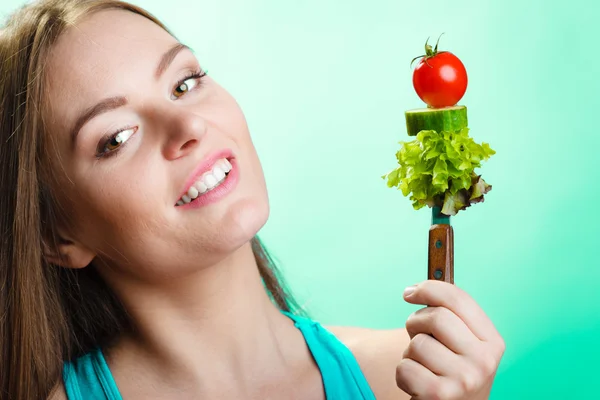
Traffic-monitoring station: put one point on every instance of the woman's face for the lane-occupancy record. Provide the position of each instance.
(135, 129)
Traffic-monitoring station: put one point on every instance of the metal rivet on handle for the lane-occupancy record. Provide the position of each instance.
(438, 274)
(438, 244)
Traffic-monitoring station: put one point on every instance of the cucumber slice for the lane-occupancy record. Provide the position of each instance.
(436, 119)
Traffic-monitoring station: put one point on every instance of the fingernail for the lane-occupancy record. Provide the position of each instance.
(409, 290)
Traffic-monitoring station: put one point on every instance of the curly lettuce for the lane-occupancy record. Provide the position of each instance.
(437, 169)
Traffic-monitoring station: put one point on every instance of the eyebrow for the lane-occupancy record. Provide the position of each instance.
(103, 106)
(112, 103)
(168, 58)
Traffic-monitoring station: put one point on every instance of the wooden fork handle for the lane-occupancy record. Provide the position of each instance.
(440, 265)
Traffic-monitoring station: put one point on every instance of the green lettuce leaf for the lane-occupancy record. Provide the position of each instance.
(437, 169)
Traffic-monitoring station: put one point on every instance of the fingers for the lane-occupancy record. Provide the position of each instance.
(422, 384)
(454, 349)
(433, 355)
(414, 379)
(443, 294)
(445, 326)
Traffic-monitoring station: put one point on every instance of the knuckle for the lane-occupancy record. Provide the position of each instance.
(410, 379)
(439, 390)
(402, 368)
(439, 318)
(501, 345)
(469, 381)
(433, 390)
(403, 376)
(488, 364)
(400, 371)
(411, 320)
(418, 343)
(406, 352)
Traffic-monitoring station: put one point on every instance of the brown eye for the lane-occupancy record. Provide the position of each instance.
(114, 142)
(187, 85)
(181, 90)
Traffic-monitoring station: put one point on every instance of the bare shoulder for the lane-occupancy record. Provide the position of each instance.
(58, 393)
(378, 352)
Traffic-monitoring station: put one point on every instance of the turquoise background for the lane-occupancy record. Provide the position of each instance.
(324, 85)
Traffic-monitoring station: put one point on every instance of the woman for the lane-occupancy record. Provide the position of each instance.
(130, 201)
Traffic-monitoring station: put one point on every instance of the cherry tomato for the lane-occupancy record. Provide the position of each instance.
(440, 78)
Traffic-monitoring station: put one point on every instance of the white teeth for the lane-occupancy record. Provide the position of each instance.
(192, 193)
(202, 188)
(218, 173)
(208, 181)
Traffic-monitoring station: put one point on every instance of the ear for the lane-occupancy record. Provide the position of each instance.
(68, 253)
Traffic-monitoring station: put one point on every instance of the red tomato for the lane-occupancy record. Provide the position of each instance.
(440, 79)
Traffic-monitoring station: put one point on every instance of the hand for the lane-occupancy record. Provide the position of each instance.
(454, 350)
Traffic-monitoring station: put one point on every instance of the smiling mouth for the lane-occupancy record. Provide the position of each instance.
(207, 182)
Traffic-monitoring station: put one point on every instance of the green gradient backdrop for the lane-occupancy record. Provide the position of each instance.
(324, 85)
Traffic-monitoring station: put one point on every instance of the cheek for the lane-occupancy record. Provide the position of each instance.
(231, 119)
(248, 214)
(113, 210)
(251, 169)
(239, 128)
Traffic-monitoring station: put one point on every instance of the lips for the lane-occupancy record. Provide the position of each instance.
(219, 191)
(208, 181)
(206, 166)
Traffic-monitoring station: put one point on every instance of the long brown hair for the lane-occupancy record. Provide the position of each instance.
(49, 314)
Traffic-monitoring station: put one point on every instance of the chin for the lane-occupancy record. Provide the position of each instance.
(244, 220)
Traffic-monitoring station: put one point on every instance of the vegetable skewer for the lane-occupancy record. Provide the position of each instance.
(436, 169)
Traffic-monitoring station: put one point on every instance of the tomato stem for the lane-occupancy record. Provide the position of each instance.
(429, 51)
(438, 42)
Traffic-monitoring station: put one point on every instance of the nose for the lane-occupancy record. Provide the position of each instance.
(185, 130)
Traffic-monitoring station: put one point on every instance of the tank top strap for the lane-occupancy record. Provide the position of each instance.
(341, 373)
(89, 378)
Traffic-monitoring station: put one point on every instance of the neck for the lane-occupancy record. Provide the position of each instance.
(216, 326)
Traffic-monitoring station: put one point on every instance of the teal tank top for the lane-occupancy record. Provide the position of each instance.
(89, 378)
